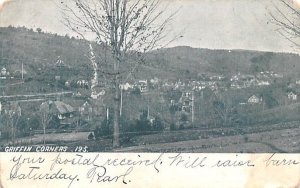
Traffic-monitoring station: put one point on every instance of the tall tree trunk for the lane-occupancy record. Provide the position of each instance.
(117, 101)
(116, 121)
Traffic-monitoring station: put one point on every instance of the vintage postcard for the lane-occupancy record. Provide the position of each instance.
(149, 93)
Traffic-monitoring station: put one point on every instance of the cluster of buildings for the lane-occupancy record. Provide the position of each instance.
(142, 85)
(185, 103)
(168, 85)
(193, 85)
(240, 81)
(15, 73)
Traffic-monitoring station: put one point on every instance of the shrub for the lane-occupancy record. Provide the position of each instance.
(91, 136)
(172, 127)
(103, 130)
(136, 91)
(158, 124)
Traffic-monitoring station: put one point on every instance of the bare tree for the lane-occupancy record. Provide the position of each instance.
(14, 114)
(127, 29)
(46, 116)
(287, 18)
(223, 108)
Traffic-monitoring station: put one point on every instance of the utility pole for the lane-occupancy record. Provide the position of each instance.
(121, 106)
(193, 105)
(22, 72)
(107, 114)
(148, 113)
(44, 133)
(2, 86)
(2, 50)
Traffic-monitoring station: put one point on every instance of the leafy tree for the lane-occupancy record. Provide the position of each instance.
(39, 30)
(91, 136)
(22, 124)
(143, 124)
(34, 122)
(136, 91)
(104, 129)
(54, 123)
(172, 127)
(158, 124)
(183, 121)
(184, 117)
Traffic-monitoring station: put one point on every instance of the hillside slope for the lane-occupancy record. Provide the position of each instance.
(40, 50)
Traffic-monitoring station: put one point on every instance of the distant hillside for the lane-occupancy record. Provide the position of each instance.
(38, 50)
(194, 61)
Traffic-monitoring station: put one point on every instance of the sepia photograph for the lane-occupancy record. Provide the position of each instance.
(153, 76)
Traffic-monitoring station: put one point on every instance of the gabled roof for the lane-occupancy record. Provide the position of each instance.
(253, 97)
(57, 107)
(86, 104)
(63, 108)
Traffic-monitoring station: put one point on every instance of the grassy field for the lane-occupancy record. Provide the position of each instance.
(272, 138)
(286, 140)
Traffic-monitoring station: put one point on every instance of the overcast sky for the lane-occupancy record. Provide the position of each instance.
(215, 24)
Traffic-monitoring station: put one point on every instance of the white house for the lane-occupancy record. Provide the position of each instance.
(292, 96)
(3, 72)
(86, 110)
(154, 80)
(143, 85)
(64, 109)
(59, 62)
(96, 95)
(126, 86)
(186, 101)
(254, 100)
(12, 109)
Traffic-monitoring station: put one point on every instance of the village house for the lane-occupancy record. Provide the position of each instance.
(86, 110)
(186, 101)
(263, 83)
(154, 81)
(65, 113)
(172, 102)
(254, 100)
(143, 85)
(292, 96)
(127, 86)
(82, 84)
(236, 85)
(179, 85)
(4, 74)
(62, 110)
(235, 77)
(67, 84)
(59, 62)
(97, 95)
